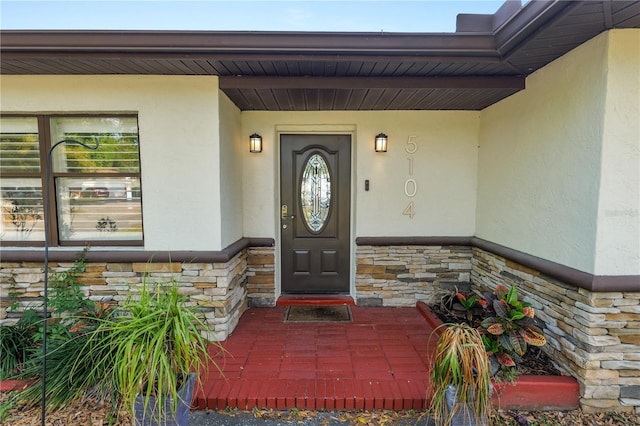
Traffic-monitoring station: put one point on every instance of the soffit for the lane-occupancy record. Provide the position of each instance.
(485, 61)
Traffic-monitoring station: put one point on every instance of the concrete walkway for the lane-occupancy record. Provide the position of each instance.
(213, 418)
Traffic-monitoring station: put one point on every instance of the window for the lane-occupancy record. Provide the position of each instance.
(95, 194)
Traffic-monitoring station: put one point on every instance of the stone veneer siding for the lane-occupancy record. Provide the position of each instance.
(220, 289)
(404, 275)
(594, 336)
(261, 283)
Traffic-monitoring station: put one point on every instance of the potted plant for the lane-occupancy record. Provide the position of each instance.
(460, 378)
(157, 352)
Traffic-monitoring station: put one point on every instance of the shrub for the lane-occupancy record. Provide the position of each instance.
(507, 324)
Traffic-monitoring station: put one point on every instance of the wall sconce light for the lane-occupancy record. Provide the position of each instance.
(255, 143)
(381, 142)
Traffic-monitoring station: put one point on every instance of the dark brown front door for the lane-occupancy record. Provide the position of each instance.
(315, 194)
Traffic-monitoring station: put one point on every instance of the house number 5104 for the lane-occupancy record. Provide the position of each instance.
(410, 185)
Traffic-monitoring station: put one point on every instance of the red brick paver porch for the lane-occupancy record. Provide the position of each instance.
(377, 361)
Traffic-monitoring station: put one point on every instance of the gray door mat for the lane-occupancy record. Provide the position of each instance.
(304, 313)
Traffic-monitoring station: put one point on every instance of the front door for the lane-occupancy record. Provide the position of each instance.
(315, 195)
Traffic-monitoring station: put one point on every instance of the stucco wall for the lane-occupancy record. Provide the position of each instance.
(618, 235)
(539, 161)
(231, 150)
(444, 169)
(178, 145)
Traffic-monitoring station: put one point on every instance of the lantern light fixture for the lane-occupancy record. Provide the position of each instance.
(381, 142)
(255, 143)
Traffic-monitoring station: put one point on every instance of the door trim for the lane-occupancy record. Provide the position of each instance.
(314, 129)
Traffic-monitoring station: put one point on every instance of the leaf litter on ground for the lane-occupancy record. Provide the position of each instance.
(92, 412)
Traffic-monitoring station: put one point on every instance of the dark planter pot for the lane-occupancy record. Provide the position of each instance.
(529, 393)
(149, 417)
(464, 415)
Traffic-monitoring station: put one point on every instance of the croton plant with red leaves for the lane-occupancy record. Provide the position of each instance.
(508, 325)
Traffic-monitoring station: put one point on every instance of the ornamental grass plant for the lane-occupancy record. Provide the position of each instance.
(460, 363)
(159, 342)
(155, 341)
(17, 344)
(74, 368)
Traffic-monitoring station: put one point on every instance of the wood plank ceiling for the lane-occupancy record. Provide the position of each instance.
(484, 61)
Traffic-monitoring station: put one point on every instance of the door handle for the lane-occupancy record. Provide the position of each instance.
(284, 213)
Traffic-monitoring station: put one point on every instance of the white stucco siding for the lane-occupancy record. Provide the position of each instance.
(231, 151)
(179, 147)
(444, 169)
(259, 178)
(618, 235)
(539, 161)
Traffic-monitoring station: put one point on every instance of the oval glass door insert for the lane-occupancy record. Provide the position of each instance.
(315, 192)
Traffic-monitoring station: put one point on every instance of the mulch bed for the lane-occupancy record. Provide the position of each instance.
(85, 412)
(534, 362)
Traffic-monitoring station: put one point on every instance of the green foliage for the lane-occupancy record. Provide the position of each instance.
(116, 151)
(157, 339)
(67, 377)
(153, 341)
(16, 343)
(508, 326)
(74, 366)
(65, 294)
(55, 330)
(506, 323)
(460, 360)
(466, 304)
(68, 338)
(66, 301)
(20, 151)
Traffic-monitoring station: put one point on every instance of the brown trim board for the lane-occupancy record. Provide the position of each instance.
(587, 281)
(413, 241)
(102, 255)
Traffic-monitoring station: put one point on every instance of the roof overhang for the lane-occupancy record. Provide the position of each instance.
(484, 61)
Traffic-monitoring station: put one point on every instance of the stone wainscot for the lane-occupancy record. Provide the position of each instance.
(223, 283)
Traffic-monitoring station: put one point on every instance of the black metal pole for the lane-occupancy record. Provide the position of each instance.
(47, 190)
